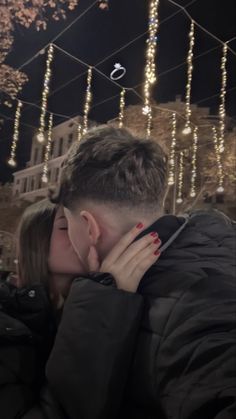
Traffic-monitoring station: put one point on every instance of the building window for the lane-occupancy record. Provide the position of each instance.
(38, 181)
(32, 184)
(35, 159)
(49, 175)
(70, 139)
(52, 148)
(18, 181)
(57, 174)
(220, 198)
(207, 198)
(43, 153)
(60, 147)
(24, 185)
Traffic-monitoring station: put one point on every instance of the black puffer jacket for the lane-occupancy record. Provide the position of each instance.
(27, 332)
(180, 363)
(185, 362)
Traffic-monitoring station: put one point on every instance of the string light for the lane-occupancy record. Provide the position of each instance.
(194, 166)
(151, 41)
(48, 150)
(79, 132)
(45, 93)
(150, 68)
(149, 123)
(179, 199)
(220, 174)
(12, 159)
(171, 178)
(187, 127)
(122, 108)
(88, 99)
(222, 98)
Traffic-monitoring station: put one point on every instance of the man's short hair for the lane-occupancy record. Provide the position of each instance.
(110, 165)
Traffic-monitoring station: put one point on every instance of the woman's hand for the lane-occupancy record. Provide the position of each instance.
(128, 261)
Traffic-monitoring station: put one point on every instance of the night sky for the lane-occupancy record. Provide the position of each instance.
(97, 35)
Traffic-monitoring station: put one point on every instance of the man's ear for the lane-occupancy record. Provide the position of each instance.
(92, 226)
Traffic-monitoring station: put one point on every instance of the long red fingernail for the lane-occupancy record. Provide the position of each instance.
(139, 225)
(153, 234)
(157, 253)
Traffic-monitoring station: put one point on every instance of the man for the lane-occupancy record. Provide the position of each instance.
(183, 363)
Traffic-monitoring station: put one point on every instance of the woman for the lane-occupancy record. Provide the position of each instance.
(103, 305)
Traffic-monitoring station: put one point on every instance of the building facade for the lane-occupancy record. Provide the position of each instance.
(28, 183)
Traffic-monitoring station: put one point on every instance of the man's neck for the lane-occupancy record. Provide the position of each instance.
(113, 228)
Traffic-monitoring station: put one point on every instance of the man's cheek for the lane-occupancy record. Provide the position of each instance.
(74, 239)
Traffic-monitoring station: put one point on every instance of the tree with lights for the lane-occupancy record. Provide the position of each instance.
(26, 13)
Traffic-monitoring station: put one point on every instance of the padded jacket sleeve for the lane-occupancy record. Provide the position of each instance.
(197, 357)
(89, 363)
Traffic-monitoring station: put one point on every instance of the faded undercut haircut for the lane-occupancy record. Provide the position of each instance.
(111, 166)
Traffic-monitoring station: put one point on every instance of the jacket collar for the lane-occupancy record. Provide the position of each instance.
(168, 228)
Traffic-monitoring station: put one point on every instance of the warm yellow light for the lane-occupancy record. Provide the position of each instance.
(12, 159)
(45, 93)
(122, 108)
(220, 173)
(188, 111)
(150, 68)
(222, 99)
(47, 150)
(11, 162)
(171, 178)
(79, 132)
(44, 178)
(40, 137)
(179, 199)
(88, 99)
(187, 130)
(194, 165)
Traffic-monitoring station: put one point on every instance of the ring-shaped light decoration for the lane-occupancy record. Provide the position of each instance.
(118, 72)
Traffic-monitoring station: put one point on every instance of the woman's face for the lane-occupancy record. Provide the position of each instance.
(62, 257)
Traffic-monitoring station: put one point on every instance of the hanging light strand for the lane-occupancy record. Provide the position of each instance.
(122, 108)
(151, 41)
(194, 165)
(220, 174)
(48, 150)
(222, 99)
(79, 132)
(12, 159)
(88, 99)
(149, 123)
(171, 178)
(150, 68)
(179, 199)
(45, 93)
(188, 112)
